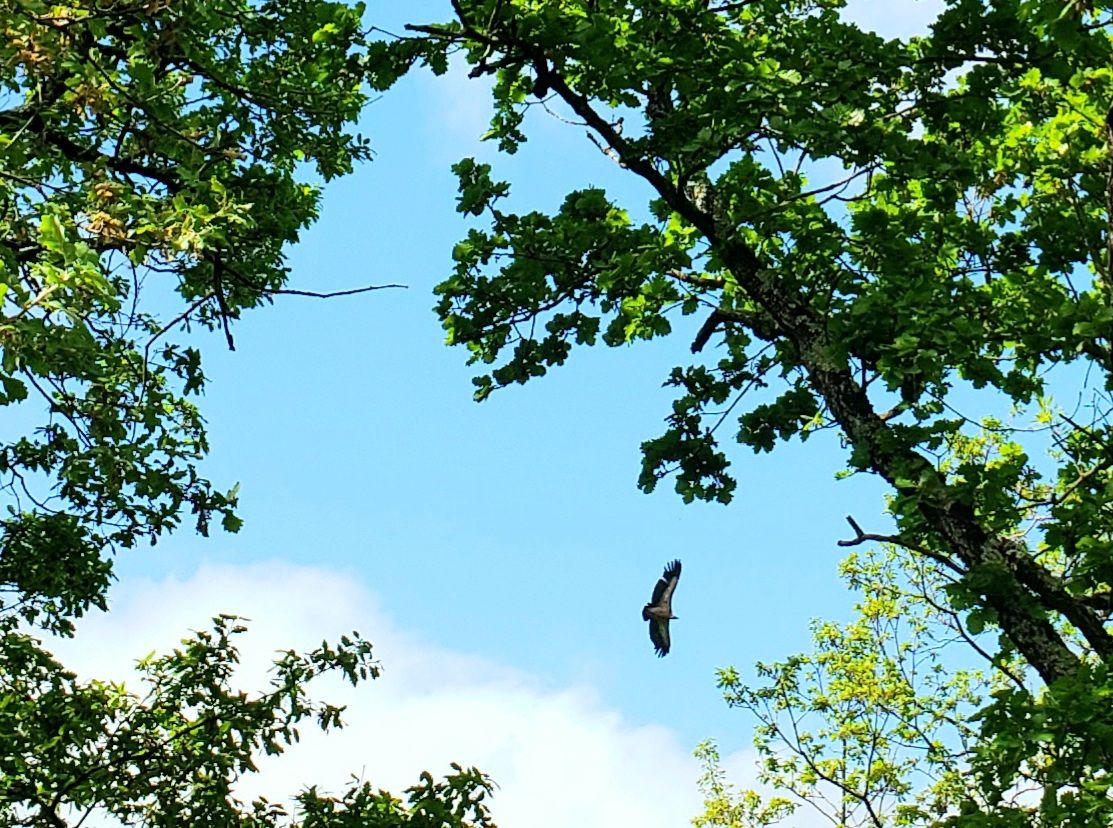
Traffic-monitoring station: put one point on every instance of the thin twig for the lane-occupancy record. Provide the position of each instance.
(861, 537)
(332, 294)
(218, 292)
(181, 317)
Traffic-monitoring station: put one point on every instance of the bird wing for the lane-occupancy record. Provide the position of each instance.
(662, 591)
(659, 635)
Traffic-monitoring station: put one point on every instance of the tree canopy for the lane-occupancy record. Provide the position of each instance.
(155, 160)
(149, 154)
(906, 241)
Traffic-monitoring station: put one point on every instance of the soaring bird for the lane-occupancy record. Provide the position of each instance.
(658, 612)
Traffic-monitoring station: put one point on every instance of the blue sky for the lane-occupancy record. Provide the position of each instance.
(507, 536)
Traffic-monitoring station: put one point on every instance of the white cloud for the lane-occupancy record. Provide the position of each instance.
(559, 755)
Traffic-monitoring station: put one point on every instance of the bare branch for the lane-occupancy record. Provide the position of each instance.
(335, 293)
(861, 537)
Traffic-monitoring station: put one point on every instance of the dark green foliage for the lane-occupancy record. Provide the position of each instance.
(170, 753)
(153, 166)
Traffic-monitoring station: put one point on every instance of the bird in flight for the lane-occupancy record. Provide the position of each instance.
(658, 612)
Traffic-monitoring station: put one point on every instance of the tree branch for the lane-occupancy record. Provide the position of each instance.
(221, 301)
(861, 537)
(331, 294)
(793, 320)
